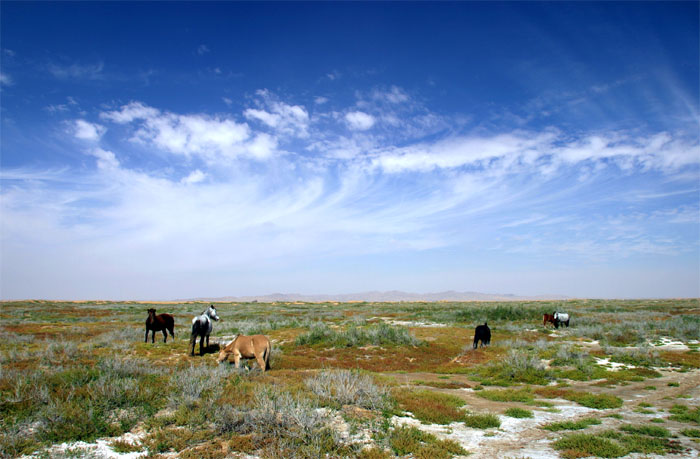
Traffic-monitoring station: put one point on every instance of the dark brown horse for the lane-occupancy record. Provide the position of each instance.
(159, 322)
(548, 318)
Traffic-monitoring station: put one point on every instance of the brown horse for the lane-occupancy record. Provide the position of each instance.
(548, 318)
(248, 347)
(159, 322)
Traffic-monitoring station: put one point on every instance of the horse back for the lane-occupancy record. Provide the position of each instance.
(248, 345)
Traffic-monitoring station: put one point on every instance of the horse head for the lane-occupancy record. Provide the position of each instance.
(151, 312)
(211, 312)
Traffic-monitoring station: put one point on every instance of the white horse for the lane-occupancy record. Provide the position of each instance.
(202, 326)
(561, 318)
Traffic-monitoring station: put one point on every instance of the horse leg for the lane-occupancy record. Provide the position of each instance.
(145, 340)
(165, 336)
(261, 362)
(193, 343)
(237, 360)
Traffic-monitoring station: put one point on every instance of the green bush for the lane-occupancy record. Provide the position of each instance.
(378, 335)
(482, 421)
(571, 425)
(581, 444)
(518, 413)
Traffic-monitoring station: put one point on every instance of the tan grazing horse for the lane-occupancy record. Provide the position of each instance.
(256, 347)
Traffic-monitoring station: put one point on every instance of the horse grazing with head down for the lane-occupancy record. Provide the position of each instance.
(561, 318)
(160, 322)
(202, 326)
(256, 347)
(482, 333)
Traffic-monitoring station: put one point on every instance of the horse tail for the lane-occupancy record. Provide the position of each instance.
(268, 351)
(193, 336)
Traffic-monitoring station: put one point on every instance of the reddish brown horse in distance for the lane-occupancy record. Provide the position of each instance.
(159, 322)
(548, 318)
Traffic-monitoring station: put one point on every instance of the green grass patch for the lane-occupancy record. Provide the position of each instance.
(682, 413)
(379, 335)
(517, 367)
(482, 421)
(571, 425)
(519, 413)
(122, 446)
(430, 406)
(508, 395)
(412, 441)
(652, 431)
(610, 444)
(582, 445)
(694, 433)
(596, 401)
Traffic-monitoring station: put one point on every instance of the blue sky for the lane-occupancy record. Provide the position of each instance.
(174, 150)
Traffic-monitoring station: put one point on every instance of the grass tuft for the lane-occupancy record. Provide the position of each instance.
(518, 413)
(571, 425)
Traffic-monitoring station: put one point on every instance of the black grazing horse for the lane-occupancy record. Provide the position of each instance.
(482, 333)
(159, 322)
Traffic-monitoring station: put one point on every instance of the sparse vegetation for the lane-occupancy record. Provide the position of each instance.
(518, 413)
(80, 371)
(571, 425)
(431, 407)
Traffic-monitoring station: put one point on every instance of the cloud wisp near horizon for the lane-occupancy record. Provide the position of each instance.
(355, 179)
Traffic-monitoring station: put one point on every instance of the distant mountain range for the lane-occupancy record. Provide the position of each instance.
(376, 296)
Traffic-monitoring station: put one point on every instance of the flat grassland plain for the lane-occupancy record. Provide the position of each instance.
(370, 380)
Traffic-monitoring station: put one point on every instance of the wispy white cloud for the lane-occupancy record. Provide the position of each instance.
(359, 121)
(210, 137)
(5, 79)
(85, 130)
(195, 176)
(545, 150)
(394, 95)
(76, 70)
(339, 193)
(202, 49)
(283, 118)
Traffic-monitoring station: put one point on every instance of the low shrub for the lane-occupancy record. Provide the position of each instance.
(429, 406)
(652, 431)
(518, 413)
(508, 395)
(405, 440)
(682, 413)
(587, 399)
(517, 367)
(571, 425)
(378, 335)
(582, 445)
(482, 421)
(344, 387)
